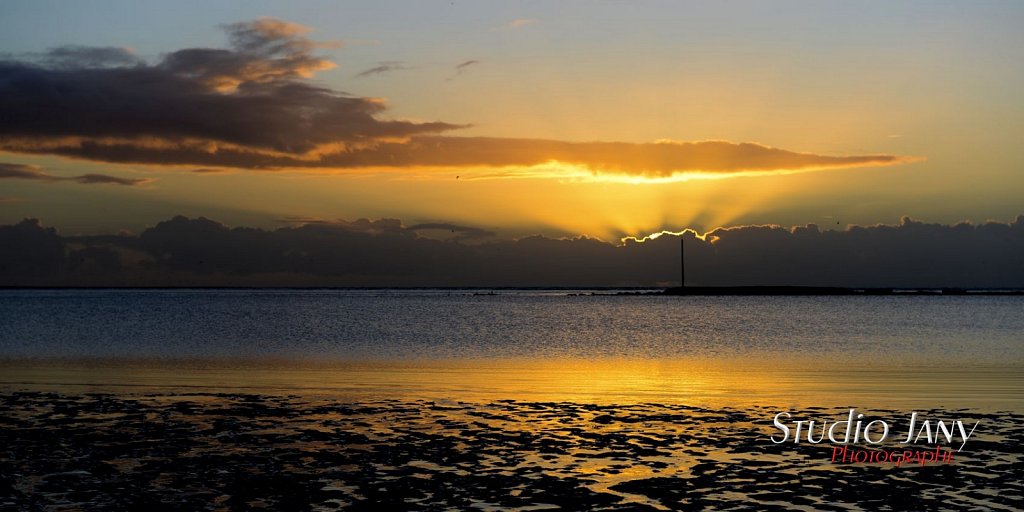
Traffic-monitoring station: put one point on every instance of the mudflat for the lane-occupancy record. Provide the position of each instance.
(214, 451)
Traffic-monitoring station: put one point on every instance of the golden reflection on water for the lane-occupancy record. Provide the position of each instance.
(785, 382)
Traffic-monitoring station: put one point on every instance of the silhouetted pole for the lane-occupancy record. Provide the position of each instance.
(682, 262)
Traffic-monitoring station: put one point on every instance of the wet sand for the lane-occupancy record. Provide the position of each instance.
(74, 450)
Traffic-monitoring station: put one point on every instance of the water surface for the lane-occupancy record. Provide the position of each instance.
(941, 351)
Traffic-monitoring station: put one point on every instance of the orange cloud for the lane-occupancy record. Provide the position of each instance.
(252, 106)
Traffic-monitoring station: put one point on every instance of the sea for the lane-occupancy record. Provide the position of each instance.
(593, 346)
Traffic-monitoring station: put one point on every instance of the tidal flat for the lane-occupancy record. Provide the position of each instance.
(225, 451)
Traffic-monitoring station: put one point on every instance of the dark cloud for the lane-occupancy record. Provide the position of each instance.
(365, 226)
(616, 158)
(265, 51)
(461, 68)
(23, 172)
(298, 220)
(653, 159)
(92, 179)
(252, 98)
(460, 232)
(86, 57)
(253, 105)
(383, 67)
(184, 252)
(395, 227)
(34, 172)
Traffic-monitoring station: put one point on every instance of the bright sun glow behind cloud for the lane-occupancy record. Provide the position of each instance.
(574, 173)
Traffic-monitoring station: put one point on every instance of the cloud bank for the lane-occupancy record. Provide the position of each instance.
(202, 252)
(253, 98)
(255, 105)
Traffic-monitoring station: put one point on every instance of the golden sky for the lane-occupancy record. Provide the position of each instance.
(592, 118)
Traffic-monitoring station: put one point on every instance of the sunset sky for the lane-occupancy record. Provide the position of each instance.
(608, 119)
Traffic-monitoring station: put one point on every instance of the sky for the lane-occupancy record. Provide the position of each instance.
(603, 119)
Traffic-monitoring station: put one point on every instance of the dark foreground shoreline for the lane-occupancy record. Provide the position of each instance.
(228, 451)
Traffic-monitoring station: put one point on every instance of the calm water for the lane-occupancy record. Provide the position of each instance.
(966, 351)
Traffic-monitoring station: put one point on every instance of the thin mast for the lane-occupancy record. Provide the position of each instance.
(682, 262)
